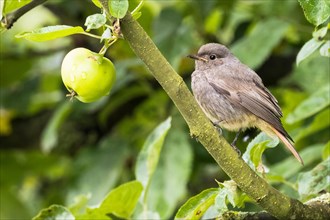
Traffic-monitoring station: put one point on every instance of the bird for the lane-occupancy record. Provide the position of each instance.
(233, 96)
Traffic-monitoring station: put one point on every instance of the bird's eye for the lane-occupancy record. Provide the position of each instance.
(213, 57)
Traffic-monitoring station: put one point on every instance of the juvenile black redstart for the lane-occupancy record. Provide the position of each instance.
(233, 96)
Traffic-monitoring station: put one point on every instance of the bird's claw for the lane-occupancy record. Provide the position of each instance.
(216, 124)
(236, 149)
(233, 144)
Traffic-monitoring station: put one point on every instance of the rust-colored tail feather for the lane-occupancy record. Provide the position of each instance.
(288, 144)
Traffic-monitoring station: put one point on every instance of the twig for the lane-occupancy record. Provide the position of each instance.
(8, 20)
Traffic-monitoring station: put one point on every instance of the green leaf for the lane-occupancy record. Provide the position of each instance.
(50, 133)
(2, 28)
(308, 48)
(118, 8)
(321, 121)
(315, 103)
(325, 49)
(50, 33)
(148, 157)
(54, 212)
(168, 24)
(249, 49)
(320, 33)
(79, 206)
(229, 192)
(309, 155)
(275, 178)
(316, 11)
(220, 201)
(99, 166)
(122, 200)
(235, 196)
(196, 206)
(147, 215)
(97, 3)
(313, 182)
(106, 34)
(213, 21)
(93, 213)
(11, 5)
(302, 76)
(95, 21)
(326, 151)
(256, 147)
(167, 188)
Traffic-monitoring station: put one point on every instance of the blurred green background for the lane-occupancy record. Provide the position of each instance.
(54, 151)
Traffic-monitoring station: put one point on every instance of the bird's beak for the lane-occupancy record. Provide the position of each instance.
(195, 57)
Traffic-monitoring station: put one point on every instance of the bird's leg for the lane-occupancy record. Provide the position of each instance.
(233, 144)
(216, 124)
(236, 138)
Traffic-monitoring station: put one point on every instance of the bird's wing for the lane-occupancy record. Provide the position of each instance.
(252, 95)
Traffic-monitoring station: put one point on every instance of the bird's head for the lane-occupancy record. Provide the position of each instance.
(210, 55)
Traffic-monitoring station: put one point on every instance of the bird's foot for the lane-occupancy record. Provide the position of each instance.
(216, 124)
(233, 144)
(236, 149)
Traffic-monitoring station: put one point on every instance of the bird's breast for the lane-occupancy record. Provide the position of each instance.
(217, 107)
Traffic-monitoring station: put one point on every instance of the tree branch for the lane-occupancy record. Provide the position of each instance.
(267, 197)
(234, 215)
(8, 20)
(322, 201)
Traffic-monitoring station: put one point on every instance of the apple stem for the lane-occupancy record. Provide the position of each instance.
(107, 45)
(71, 94)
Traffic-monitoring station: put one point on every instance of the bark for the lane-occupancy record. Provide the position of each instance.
(271, 200)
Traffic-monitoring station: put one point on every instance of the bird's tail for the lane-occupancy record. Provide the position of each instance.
(288, 144)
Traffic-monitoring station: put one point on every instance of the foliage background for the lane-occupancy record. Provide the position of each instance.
(54, 151)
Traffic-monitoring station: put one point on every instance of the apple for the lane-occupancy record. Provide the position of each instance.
(88, 76)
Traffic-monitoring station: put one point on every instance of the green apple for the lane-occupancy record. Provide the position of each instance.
(87, 75)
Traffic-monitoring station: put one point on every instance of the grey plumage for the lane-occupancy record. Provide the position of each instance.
(233, 96)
